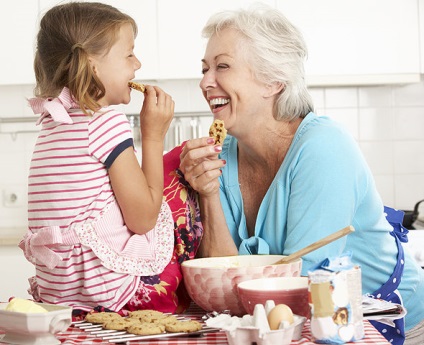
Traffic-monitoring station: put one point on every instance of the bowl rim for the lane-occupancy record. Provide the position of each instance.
(243, 285)
(194, 262)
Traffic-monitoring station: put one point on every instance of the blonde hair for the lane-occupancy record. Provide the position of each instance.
(276, 51)
(69, 34)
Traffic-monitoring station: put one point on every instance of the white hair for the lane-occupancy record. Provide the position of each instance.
(276, 51)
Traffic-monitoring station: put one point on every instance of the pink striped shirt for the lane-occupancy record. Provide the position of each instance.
(84, 254)
(68, 181)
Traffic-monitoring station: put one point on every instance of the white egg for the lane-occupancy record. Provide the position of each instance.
(281, 312)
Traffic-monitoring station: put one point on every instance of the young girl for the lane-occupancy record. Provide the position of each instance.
(99, 232)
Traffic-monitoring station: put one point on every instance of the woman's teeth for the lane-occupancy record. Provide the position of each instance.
(217, 102)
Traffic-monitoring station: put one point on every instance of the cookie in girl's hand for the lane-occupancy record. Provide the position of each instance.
(137, 86)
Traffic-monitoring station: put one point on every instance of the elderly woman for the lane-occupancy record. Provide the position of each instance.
(284, 176)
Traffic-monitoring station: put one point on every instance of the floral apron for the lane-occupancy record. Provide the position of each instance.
(165, 291)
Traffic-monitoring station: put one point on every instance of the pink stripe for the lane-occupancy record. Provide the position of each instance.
(87, 288)
(53, 166)
(74, 173)
(89, 300)
(89, 218)
(57, 282)
(87, 254)
(126, 295)
(66, 191)
(69, 275)
(34, 219)
(84, 297)
(54, 149)
(53, 209)
(98, 118)
(75, 116)
(57, 218)
(100, 125)
(64, 251)
(67, 157)
(74, 264)
(71, 173)
(58, 208)
(79, 263)
(74, 272)
(60, 140)
(107, 142)
(102, 178)
(116, 125)
(53, 130)
(49, 218)
(83, 253)
(35, 228)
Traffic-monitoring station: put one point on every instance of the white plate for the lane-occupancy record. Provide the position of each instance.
(34, 328)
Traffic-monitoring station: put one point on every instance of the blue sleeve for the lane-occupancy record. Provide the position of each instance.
(328, 179)
(117, 151)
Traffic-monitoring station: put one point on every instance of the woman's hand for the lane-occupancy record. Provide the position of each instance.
(201, 166)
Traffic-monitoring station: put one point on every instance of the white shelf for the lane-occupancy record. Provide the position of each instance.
(362, 80)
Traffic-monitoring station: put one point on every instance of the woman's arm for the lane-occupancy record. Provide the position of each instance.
(202, 168)
(217, 240)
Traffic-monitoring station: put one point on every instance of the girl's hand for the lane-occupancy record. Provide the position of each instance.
(156, 114)
(201, 166)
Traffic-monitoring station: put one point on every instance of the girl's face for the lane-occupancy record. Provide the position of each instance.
(117, 68)
(229, 85)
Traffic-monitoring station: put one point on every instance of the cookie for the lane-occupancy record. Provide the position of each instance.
(184, 326)
(165, 320)
(102, 317)
(120, 324)
(146, 329)
(137, 86)
(146, 313)
(218, 131)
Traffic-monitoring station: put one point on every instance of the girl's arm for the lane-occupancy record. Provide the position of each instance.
(140, 191)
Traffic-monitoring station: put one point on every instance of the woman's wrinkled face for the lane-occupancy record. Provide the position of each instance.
(228, 82)
(116, 68)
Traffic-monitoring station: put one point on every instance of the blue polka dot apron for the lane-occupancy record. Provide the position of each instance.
(388, 292)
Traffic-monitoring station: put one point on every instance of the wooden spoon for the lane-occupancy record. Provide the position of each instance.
(318, 244)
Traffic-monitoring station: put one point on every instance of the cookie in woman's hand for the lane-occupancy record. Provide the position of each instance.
(218, 131)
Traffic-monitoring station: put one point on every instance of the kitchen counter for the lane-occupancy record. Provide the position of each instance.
(11, 236)
(15, 271)
(11, 240)
(415, 245)
(76, 336)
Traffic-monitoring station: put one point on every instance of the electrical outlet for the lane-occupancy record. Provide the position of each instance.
(14, 197)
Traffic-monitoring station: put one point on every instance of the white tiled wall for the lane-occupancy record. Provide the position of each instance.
(387, 121)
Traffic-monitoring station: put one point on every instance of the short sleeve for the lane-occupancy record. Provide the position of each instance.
(109, 134)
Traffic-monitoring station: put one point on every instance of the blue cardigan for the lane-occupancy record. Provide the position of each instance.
(323, 185)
